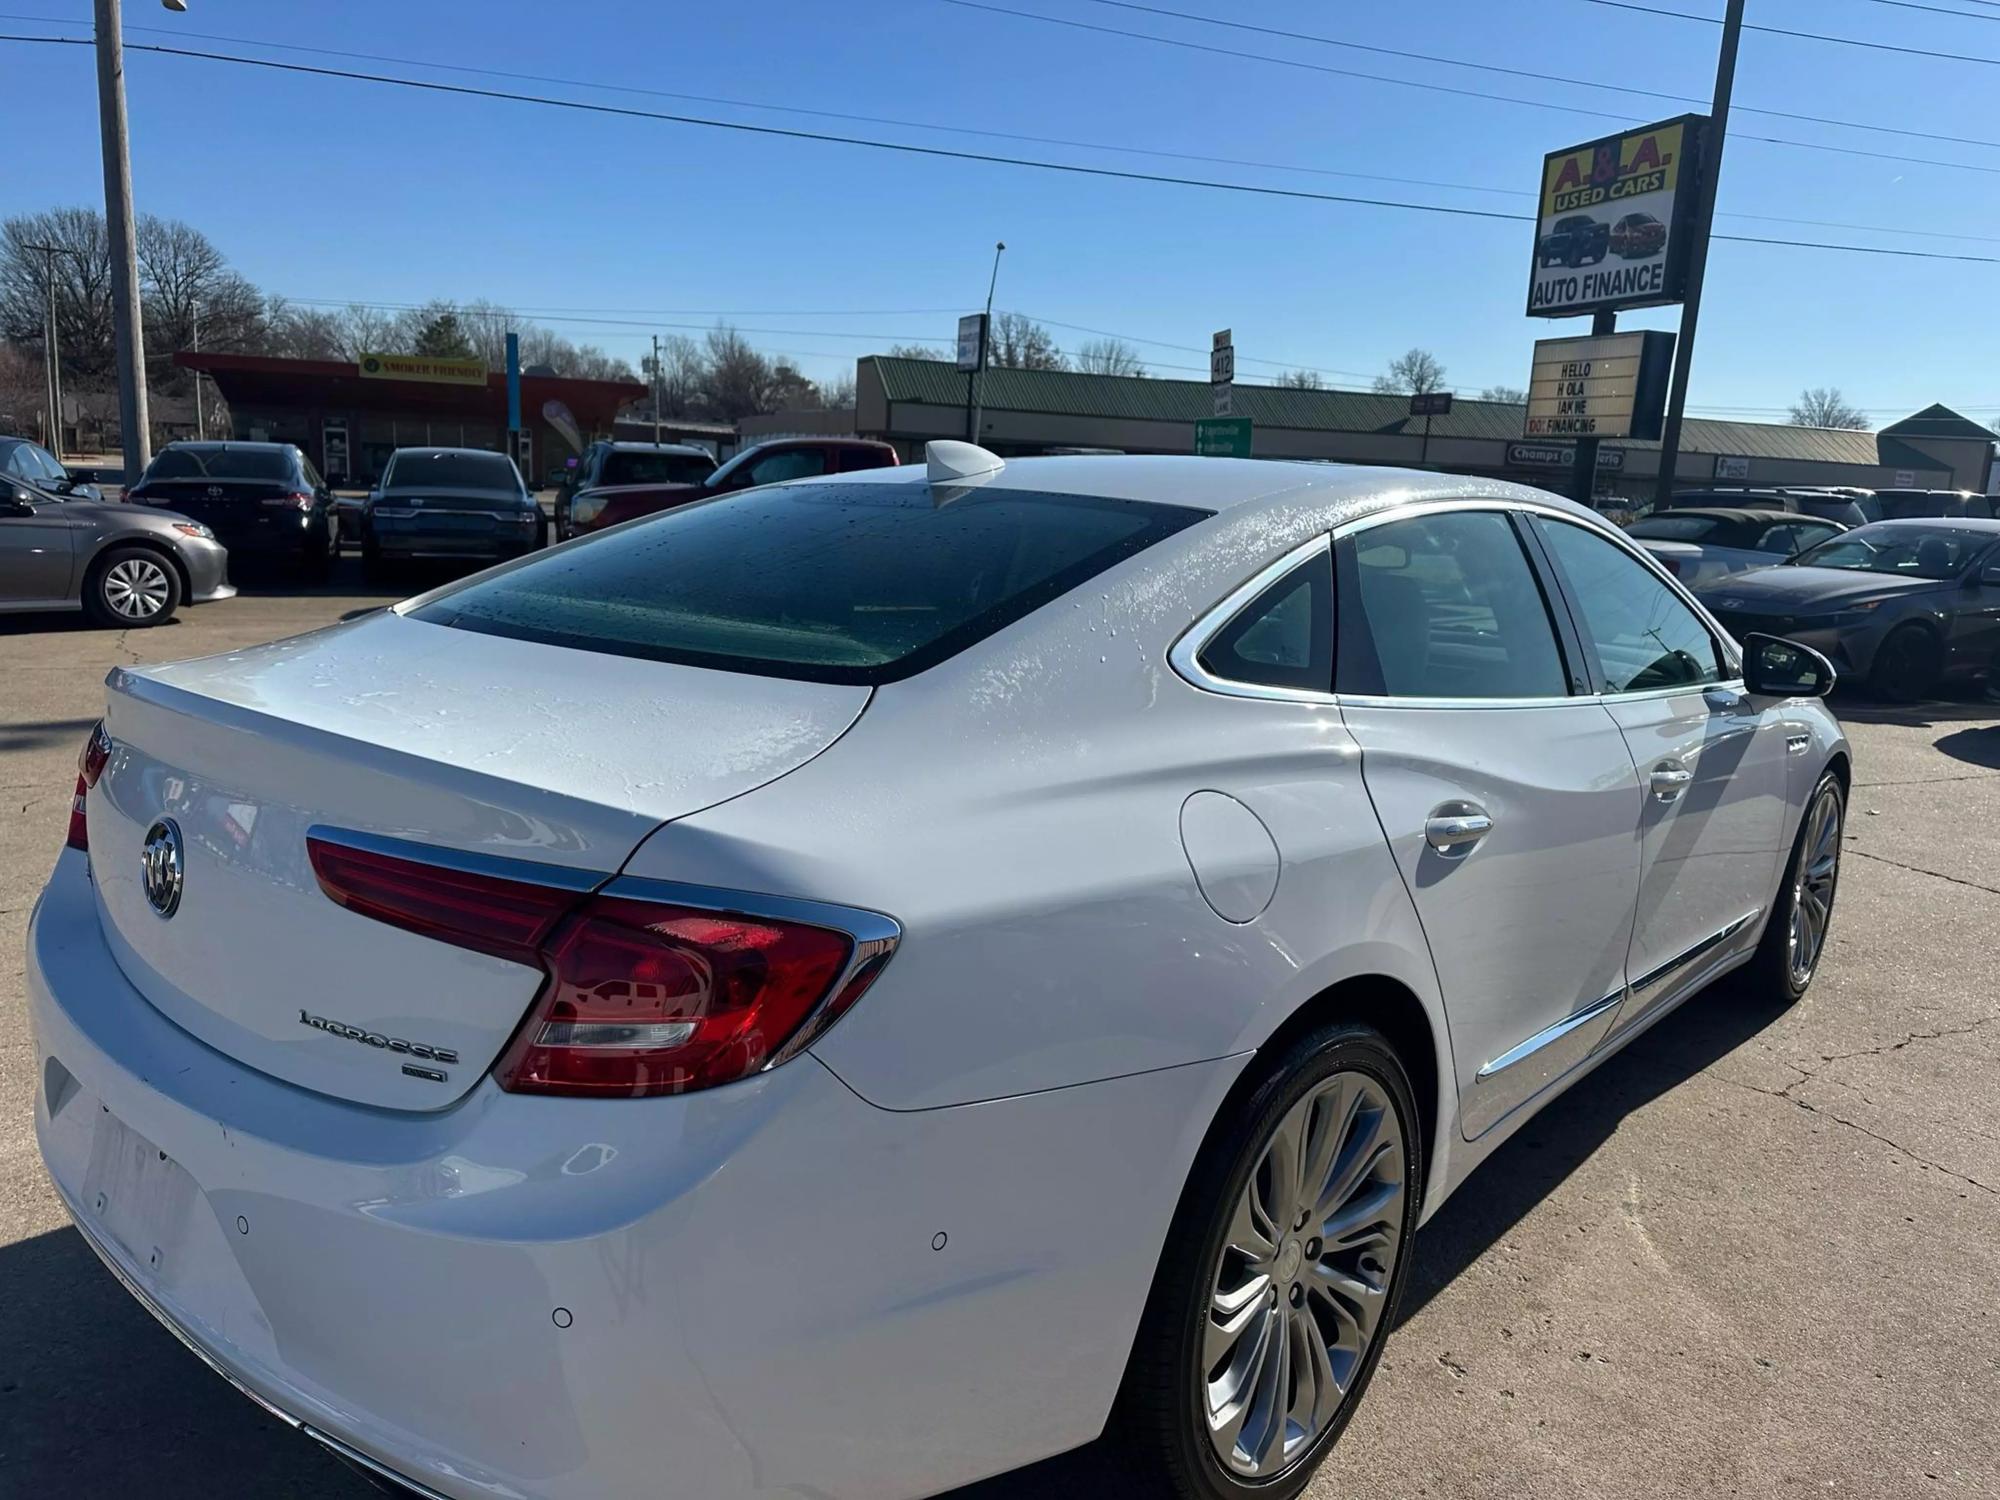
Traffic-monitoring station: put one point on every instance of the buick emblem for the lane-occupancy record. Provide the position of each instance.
(161, 866)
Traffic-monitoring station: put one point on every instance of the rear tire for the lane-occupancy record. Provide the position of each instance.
(1906, 665)
(1260, 1336)
(131, 587)
(1794, 938)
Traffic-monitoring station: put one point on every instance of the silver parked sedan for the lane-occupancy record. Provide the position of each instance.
(853, 986)
(120, 564)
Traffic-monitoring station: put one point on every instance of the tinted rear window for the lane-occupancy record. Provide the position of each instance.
(222, 463)
(655, 468)
(437, 471)
(1672, 528)
(851, 583)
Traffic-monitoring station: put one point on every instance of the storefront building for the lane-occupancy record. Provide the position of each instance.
(909, 401)
(349, 422)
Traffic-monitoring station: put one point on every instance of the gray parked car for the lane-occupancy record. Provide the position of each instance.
(32, 464)
(1906, 605)
(449, 503)
(120, 564)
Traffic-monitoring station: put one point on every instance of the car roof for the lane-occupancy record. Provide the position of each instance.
(1762, 514)
(232, 444)
(1228, 484)
(1985, 524)
(432, 448)
(689, 449)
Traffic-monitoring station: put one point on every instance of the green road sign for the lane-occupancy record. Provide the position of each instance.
(1222, 437)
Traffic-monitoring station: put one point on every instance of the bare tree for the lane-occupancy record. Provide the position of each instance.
(370, 330)
(1416, 373)
(191, 296)
(1826, 406)
(681, 377)
(837, 394)
(1302, 380)
(1512, 394)
(81, 272)
(294, 332)
(1017, 342)
(1109, 356)
(917, 351)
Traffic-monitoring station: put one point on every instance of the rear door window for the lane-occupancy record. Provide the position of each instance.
(793, 463)
(852, 582)
(1445, 606)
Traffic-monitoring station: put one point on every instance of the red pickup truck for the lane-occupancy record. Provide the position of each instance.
(764, 463)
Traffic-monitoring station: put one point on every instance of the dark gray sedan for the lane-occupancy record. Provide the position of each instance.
(1905, 605)
(449, 503)
(120, 564)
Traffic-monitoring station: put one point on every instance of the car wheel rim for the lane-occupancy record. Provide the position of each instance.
(1297, 1292)
(136, 589)
(1813, 885)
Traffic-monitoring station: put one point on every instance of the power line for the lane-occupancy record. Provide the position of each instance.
(945, 153)
(1964, 15)
(1439, 88)
(1455, 62)
(1810, 36)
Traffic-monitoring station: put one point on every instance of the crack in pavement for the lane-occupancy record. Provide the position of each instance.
(1813, 1109)
(1914, 1036)
(1883, 859)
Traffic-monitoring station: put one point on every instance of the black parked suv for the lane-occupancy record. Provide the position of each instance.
(262, 500)
(1578, 240)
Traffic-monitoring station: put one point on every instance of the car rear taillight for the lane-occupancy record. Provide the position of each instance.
(642, 997)
(296, 500)
(656, 999)
(90, 763)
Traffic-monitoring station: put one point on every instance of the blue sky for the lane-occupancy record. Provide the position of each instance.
(323, 188)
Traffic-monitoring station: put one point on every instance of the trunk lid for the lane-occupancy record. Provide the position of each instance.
(396, 728)
(215, 502)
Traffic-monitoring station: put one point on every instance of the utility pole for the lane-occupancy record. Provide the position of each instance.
(985, 342)
(1711, 171)
(51, 355)
(656, 389)
(200, 421)
(134, 422)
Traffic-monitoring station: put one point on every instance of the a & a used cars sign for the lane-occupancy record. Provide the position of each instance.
(1613, 226)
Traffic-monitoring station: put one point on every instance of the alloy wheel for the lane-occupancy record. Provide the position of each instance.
(1298, 1289)
(1813, 885)
(136, 588)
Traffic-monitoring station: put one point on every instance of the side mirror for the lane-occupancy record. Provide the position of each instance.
(1773, 668)
(15, 499)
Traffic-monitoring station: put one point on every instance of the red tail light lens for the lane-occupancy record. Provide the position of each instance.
(90, 763)
(643, 997)
(489, 913)
(651, 999)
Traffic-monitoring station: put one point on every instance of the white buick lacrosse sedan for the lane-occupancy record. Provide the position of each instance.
(858, 985)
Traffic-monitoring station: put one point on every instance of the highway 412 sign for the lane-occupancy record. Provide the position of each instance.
(1615, 221)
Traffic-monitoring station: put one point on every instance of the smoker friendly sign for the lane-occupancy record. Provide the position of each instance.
(1613, 226)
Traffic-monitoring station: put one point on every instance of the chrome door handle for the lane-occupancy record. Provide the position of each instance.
(1452, 833)
(1670, 779)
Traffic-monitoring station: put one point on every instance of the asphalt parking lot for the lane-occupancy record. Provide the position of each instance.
(1756, 1254)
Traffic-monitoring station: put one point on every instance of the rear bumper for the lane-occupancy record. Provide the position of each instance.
(284, 534)
(728, 1294)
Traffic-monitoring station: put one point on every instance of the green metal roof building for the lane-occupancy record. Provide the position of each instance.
(910, 401)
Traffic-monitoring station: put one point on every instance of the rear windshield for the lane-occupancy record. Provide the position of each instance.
(850, 583)
(656, 468)
(1672, 528)
(221, 463)
(418, 470)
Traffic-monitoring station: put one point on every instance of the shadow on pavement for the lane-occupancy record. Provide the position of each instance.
(1969, 706)
(1976, 747)
(39, 734)
(97, 1399)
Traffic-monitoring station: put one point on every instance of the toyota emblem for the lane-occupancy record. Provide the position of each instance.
(161, 867)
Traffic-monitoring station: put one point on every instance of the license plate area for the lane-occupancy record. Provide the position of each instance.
(138, 1196)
